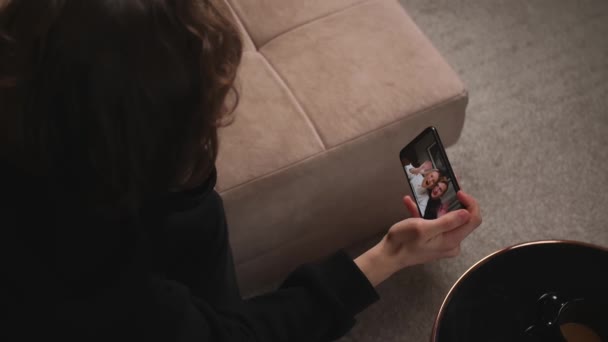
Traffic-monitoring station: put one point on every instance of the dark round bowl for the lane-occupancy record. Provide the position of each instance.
(497, 299)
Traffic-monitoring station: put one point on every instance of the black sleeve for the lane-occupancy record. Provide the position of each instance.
(316, 303)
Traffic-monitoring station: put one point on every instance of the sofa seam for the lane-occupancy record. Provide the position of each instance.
(463, 93)
(294, 99)
(313, 20)
(242, 23)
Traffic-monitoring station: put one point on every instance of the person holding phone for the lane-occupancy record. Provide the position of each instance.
(112, 229)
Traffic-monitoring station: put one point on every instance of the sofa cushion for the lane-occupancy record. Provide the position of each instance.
(311, 162)
(269, 131)
(361, 69)
(329, 201)
(267, 19)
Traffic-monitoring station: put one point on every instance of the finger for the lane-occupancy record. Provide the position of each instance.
(456, 236)
(411, 206)
(470, 203)
(466, 199)
(447, 222)
(406, 231)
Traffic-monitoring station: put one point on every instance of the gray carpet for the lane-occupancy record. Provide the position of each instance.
(534, 150)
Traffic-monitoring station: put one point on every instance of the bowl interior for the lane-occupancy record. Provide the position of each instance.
(497, 299)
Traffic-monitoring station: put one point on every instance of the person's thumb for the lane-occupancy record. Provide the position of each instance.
(411, 206)
(447, 222)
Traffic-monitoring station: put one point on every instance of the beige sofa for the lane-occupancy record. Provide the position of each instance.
(331, 90)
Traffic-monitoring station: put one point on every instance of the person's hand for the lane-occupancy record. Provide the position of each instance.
(420, 241)
(417, 241)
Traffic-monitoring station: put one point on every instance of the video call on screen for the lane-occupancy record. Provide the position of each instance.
(428, 174)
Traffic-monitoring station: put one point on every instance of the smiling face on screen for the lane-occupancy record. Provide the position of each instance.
(430, 179)
(439, 189)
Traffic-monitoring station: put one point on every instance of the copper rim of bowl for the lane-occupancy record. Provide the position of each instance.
(483, 261)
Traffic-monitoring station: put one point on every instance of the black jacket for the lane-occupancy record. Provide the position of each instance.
(77, 275)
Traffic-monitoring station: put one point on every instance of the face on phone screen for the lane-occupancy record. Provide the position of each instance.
(430, 176)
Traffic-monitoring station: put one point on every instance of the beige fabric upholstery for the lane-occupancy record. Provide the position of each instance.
(310, 163)
(269, 131)
(361, 69)
(267, 19)
(330, 201)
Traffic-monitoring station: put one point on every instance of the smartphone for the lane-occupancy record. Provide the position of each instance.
(430, 175)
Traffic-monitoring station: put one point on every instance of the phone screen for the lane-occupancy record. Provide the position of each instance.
(430, 175)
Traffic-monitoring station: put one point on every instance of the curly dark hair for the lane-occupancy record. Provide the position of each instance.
(116, 101)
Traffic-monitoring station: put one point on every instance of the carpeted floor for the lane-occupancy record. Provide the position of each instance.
(534, 150)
